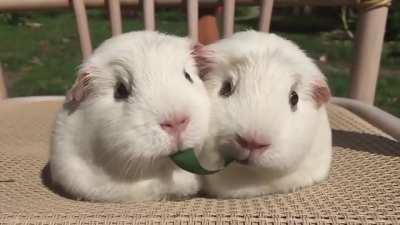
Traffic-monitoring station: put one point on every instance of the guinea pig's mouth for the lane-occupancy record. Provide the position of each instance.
(249, 160)
(175, 146)
(250, 156)
(243, 152)
(244, 161)
(180, 147)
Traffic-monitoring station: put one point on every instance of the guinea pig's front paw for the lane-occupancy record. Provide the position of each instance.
(148, 190)
(184, 184)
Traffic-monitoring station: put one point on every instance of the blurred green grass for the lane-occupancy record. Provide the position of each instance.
(42, 60)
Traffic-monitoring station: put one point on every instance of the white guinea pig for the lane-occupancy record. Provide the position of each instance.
(267, 99)
(136, 100)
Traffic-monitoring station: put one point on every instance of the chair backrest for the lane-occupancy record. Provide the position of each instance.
(192, 12)
(368, 44)
(3, 90)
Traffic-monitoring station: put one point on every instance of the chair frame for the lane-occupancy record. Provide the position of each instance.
(368, 42)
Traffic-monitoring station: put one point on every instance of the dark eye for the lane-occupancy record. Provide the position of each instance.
(226, 89)
(187, 76)
(293, 98)
(121, 91)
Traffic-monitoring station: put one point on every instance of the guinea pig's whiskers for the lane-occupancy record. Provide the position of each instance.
(116, 125)
(139, 169)
(146, 125)
(225, 123)
(131, 165)
(148, 108)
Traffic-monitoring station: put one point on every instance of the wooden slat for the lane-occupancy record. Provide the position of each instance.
(193, 19)
(368, 48)
(3, 89)
(115, 17)
(149, 17)
(83, 28)
(265, 15)
(229, 17)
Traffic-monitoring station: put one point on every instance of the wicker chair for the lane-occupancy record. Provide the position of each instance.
(363, 187)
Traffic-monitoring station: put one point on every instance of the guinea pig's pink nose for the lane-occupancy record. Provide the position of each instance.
(251, 143)
(175, 125)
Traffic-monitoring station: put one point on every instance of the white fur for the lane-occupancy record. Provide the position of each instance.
(264, 67)
(115, 150)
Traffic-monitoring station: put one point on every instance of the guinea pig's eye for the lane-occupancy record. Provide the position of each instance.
(226, 89)
(187, 76)
(121, 91)
(293, 98)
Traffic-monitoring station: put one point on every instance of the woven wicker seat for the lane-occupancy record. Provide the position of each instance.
(364, 182)
(363, 187)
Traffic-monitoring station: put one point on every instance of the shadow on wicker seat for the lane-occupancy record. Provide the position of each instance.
(45, 177)
(365, 142)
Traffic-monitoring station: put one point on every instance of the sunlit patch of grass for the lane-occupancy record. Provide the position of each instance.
(43, 60)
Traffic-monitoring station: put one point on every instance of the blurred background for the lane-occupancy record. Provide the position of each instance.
(40, 52)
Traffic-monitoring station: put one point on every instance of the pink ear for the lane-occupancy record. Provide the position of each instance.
(80, 89)
(320, 92)
(203, 58)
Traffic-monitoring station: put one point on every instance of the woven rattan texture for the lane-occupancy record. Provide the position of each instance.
(363, 187)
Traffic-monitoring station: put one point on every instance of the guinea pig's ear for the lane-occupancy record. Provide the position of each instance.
(320, 92)
(204, 58)
(80, 89)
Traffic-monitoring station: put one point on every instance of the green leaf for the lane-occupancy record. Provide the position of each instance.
(188, 161)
